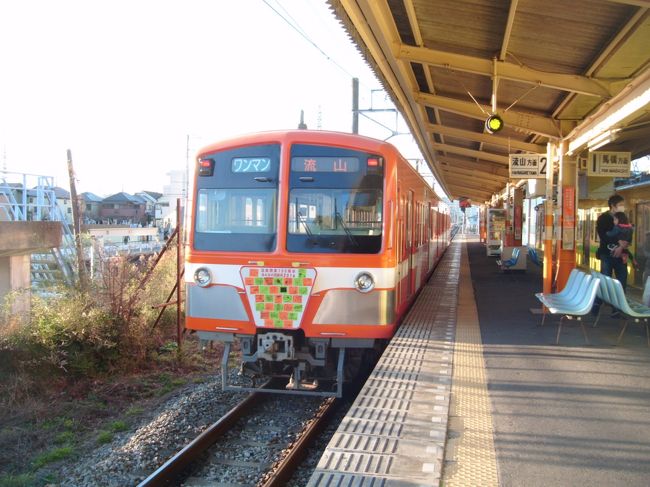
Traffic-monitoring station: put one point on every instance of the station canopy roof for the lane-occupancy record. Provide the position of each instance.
(572, 71)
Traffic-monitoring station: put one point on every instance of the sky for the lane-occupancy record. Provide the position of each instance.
(132, 87)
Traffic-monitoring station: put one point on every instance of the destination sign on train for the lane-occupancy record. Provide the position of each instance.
(324, 164)
(251, 164)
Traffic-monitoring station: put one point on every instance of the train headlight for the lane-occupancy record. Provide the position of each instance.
(202, 276)
(364, 282)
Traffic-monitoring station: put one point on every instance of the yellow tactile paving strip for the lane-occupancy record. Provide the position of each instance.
(470, 459)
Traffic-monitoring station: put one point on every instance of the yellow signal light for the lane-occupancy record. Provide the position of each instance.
(493, 124)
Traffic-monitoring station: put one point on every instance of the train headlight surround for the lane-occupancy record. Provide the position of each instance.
(202, 277)
(364, 282)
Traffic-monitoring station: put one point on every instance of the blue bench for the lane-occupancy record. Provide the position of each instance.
(534, 256)
(507, 264)
(611, 291)
(573, 302)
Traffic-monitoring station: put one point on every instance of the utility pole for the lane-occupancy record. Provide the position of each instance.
(187, 169)
(355, 105)
(76, 224)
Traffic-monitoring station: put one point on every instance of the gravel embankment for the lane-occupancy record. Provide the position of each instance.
(241, 457)
(134, 455)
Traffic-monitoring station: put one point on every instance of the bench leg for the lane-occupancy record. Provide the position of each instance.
(600, 310)
(543, 315)
(584, 332)
(620, 337)
(647, 333)
(559, 330)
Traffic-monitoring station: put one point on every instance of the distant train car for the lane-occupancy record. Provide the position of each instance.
(308, 247)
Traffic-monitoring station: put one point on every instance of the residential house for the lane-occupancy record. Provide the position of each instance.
(123, 208)
(91, 206)
(151, 202)
(63, 203)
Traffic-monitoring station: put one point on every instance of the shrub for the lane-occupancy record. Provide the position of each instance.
(84, 333)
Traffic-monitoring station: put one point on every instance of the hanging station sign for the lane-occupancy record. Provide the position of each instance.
(528, 166)
(609, 164)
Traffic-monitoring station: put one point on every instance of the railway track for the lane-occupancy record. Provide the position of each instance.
(259, 442)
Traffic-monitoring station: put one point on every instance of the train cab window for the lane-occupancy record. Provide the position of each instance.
(335, 201)
(236, 206)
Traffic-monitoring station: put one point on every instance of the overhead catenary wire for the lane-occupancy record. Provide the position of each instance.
(299, 30)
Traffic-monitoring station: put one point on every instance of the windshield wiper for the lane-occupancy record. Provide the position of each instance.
(299, 217)
(347, 231)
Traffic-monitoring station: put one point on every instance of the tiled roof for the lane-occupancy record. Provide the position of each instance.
(121, 197)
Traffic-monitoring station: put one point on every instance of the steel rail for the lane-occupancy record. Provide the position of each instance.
(169, 471)
(282, 470)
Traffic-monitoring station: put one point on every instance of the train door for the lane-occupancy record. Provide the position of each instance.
(428, 236)
(401, 246)
(410, 243)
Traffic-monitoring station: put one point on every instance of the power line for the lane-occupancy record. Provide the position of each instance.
(305, 36)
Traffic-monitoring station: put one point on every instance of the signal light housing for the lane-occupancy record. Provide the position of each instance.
(206, 167)
(493, 124)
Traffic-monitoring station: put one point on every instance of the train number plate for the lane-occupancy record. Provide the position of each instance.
(278, 296)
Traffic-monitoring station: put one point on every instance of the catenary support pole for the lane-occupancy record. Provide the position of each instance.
(76, 224)
(355, 105)
(179, 266)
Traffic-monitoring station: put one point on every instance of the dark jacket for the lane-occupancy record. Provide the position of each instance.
(604, 224)
(622, 231)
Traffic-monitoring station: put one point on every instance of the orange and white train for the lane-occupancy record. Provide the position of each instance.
(307, 248)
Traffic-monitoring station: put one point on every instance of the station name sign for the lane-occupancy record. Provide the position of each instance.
(609, 164)
(528, 166)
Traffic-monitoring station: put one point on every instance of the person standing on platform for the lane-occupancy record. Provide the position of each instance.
(611, 263)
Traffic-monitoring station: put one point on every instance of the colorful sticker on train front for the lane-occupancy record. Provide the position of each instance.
(278, 295)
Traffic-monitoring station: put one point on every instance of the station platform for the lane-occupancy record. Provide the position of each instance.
(473, 392)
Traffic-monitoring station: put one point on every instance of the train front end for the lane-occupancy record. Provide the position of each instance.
(287, 256)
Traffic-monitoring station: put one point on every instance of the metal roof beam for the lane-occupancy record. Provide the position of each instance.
(474, 189)
(506, 70)
(527, 122)
(629, 104)
(473, 174)
(468, 190)
(493, 187)
(508, 30)
(482, 137)
(486, 167)
(454, 149)
(374, 30)
(638, 3)
(597, 63)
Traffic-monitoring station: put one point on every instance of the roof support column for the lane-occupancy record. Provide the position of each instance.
(548, 221)
(518, 211)
(567, 202)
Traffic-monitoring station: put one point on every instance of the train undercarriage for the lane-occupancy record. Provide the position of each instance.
(307, 366)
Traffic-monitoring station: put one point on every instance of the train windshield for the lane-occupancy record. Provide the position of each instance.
(236, 204)
(335, 201)
(237, 218)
